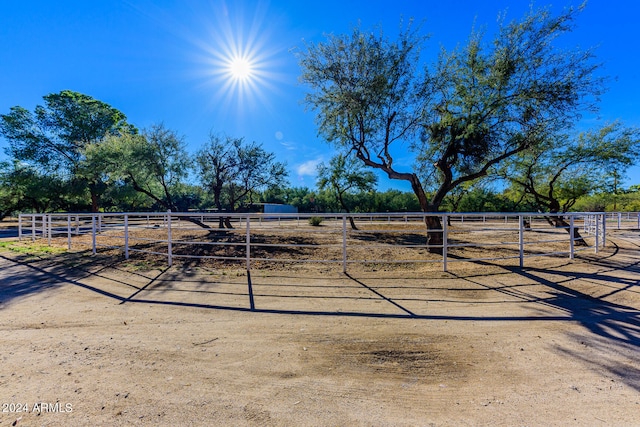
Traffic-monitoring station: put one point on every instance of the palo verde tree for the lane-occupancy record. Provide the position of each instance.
(234, 172)
(477, 106)
(53, 137)
(554, 175)
(345, 175)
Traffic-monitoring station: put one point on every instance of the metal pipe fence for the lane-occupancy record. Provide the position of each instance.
(379, 238)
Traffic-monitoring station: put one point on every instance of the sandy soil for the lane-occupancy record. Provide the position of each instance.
(96, 341)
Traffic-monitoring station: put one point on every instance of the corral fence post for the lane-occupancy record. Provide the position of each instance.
(126, 236)
(33, 227)
(597, 231)
(169, 248)
(248, 243)
(20, 227)
(252, 304)
(68, 232)
(445, 237)
(49, 229)
(604, 230)
(344, 244)
(619, 219)
(586, 223)
(521, 240)
(571, 237)
(93, 234)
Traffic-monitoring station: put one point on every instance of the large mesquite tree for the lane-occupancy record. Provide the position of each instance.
(474, 108)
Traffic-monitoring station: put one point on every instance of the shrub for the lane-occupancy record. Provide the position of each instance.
(315, 220)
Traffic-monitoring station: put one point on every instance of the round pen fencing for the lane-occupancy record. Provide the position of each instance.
(256, 240)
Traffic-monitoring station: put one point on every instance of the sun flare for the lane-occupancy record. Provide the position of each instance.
(240, 58)
(241, 68)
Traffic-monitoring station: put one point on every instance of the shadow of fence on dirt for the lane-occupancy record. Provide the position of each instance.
(21, 277)
(15, 284)
(615, 322)
(608, 326)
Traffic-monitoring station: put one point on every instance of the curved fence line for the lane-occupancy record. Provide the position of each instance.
(399, 238)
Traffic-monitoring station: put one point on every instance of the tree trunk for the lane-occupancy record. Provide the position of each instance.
(227, 222)
(435, 238)
(434, 225)
(344, 206)
(95, 207)
(559, 221)
(352, 223)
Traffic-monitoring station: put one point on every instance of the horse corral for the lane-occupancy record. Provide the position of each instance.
(390, 239)
(393, 341)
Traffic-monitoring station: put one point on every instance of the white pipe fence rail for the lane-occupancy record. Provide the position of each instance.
(381, 238)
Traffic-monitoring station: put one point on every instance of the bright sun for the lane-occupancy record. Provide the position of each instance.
(239, 57)
(240, 69)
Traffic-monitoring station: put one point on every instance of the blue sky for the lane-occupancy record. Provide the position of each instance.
(163, 61)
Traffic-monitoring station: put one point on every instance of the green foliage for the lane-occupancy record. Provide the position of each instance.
(498, 99)
(566, 168)
(234, 172)
(368, 93)
(36, 249)
(52, 139)
(315, 221)
(394, 201)
(480, 199)
(625, 201)
(153, 163)
(24, 188)
(474, 108)
(345, 176)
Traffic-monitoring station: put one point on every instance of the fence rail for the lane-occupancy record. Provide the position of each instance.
(379, 238)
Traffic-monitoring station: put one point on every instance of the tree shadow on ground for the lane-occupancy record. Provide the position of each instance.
(609, 324)
(609, 320)
(15, 284)
(390, 238)
(22, 276)
(610, 327)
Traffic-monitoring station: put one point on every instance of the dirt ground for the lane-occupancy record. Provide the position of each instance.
(92, 340)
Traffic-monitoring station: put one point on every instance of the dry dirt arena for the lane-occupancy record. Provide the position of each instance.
(92, 340)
